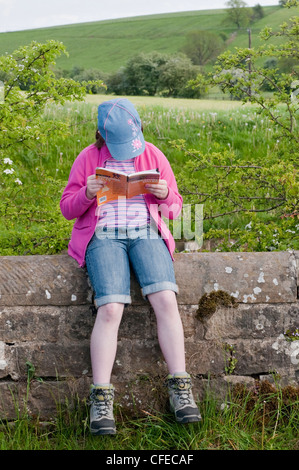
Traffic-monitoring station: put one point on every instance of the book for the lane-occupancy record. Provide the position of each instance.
(119, 184)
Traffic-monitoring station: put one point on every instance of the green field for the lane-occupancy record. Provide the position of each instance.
(107, 45)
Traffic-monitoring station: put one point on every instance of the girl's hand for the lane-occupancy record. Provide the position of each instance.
(159, 190)
(94, 184)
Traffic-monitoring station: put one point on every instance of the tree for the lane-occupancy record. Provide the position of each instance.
(117, 82)
(238, 13)
(142, 73)
(202, 46)
(257, 13)
(175, 74)
(270, 182)
(20, 112)
(232, 74)
(91, 75)
(149, 74)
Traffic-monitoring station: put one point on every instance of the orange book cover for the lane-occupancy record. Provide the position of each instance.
(118, 183)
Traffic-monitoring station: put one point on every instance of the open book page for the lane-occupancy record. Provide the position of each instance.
(118, 183)
(115, 185)
(137, 182)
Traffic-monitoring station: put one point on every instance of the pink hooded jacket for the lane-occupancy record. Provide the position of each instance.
(75, 205)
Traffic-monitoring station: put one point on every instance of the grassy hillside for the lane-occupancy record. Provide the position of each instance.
(107, 45)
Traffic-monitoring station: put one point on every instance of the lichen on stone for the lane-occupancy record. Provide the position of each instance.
(208, 303)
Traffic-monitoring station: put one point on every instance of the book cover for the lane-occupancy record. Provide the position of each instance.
(118, 183)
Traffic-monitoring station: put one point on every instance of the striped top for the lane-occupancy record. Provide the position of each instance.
(123, 212)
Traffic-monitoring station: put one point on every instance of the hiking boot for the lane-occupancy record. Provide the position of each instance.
(181, 399)
(101, 410)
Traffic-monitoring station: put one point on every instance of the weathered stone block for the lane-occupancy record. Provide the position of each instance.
(205, 357)
(193, 328)
(267, 277)
(76, 323)
(256, 321)
(259, 357)
(137, 357)
(295, 262)
(28, 323)
(42, 280)
(50, 360)
(138, 322)
(42, 399)
(3, 360)
(11, 399)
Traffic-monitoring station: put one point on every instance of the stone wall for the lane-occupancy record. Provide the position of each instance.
(46, 322)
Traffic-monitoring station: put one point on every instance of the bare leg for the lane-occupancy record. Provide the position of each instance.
(103, 343)
(170, 329)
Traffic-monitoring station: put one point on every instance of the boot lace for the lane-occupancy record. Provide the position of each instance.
(182, 389)
(101, 399)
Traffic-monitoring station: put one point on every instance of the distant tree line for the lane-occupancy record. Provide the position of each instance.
(156, 73)
(144, 74)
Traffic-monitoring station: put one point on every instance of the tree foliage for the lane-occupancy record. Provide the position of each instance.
(238, 13)
(202, 46)
(150, 74)
(229, 185)
(241, 72)
(143, 73)
(29, 84)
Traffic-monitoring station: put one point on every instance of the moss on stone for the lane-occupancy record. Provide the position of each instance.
(208, 303)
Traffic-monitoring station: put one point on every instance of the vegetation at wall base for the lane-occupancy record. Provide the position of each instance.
(261, 418)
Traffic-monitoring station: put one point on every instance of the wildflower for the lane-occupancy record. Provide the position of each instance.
(18, 181)
(224, 406)
(7, 161)
(9, 171)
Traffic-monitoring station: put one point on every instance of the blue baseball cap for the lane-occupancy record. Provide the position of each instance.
(120, 126)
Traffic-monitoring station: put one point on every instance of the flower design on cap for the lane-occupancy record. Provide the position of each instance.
(134, 128)
(137, 144)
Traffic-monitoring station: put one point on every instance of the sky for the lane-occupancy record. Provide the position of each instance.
(18, 15)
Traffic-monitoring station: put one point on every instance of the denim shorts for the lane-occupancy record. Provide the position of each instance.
(111, 254)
